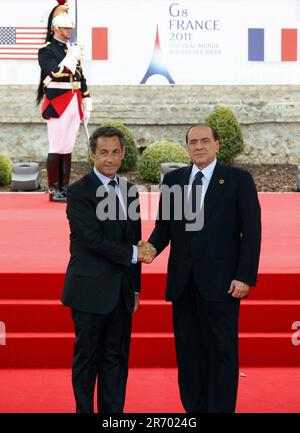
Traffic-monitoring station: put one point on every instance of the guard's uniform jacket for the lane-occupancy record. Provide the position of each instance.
(60, 83)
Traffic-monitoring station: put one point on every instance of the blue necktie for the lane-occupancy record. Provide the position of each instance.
(112, 183)
(119, 210)
(194, 190)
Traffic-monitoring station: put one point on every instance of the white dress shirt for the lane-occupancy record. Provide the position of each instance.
(207, 174)
(105, 180)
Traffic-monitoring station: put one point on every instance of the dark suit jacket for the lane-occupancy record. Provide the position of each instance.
(227, 247)
(101, 251)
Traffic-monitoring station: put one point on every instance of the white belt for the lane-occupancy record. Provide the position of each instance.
(61, 85)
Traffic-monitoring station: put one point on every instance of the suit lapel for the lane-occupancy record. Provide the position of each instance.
(214, 190)
(123, 187)
(94, 179)
(128, 199)
(184, 182)
(186, 175)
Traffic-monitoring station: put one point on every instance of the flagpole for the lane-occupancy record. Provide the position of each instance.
(76, 22)
(74, 36)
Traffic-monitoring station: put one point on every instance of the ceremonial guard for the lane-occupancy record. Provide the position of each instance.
(66, 98)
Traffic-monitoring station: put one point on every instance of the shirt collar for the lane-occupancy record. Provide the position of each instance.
(207, 171)
(104, 179)
(59, 41)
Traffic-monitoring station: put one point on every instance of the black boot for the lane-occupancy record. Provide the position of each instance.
(53, 178)
(64, 172)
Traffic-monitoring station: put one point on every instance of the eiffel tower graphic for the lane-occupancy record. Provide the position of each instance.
(157, 66)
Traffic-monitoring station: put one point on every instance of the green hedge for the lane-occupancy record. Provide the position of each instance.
(5, 170)
(157, 153)
(130, 160)
(224, 121)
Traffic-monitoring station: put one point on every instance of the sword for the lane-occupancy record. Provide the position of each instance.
(86, 133)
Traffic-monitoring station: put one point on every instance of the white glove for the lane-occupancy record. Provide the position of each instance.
(72, 58)
(87, 108)
(76, 50)
(70, 62)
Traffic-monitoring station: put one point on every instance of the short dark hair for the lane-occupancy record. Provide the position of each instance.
(106, 131)
(214, 132)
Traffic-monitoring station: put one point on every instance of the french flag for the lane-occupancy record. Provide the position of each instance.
(99, 36)
(99, 43)
(272, 45)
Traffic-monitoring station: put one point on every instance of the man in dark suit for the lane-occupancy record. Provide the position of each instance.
(102, 282)
(213, 261)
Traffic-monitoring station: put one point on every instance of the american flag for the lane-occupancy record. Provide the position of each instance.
(21, 43)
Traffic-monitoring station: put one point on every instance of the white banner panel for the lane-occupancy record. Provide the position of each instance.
(237, 42)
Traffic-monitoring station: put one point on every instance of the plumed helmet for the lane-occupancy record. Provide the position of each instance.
(62, 20)
(62, 6)
(60, 17)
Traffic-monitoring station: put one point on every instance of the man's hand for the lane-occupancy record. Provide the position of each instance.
(72, 57)
(76, 51)
(238, 289)
(136, 302)
(146, 252)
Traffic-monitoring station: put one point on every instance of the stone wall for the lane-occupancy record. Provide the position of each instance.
(269, 116)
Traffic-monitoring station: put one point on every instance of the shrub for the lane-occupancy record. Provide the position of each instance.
(224, 121)
(130, 160)
(158, 152)
(5, 170)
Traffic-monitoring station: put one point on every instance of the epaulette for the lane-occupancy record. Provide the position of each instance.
(45, 45)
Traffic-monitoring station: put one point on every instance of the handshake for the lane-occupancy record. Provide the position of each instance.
(146, 252)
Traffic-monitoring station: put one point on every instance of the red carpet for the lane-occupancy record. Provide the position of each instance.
(33, 258)
(30, 222)
(272, 390)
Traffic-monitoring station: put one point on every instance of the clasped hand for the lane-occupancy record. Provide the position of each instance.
(146, 252)
(76, 51)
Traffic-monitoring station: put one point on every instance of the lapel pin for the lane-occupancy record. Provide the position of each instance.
(221, 181)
